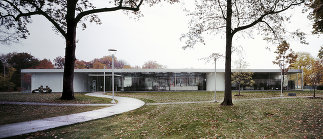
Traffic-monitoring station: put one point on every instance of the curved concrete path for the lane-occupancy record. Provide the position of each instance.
(124, 104)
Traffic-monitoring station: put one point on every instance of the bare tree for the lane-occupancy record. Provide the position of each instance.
(65, 16)
(233, 16)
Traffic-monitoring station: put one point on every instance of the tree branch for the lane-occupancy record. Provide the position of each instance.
(56, 25)
(37, 12)
(222, 10)
(270, 28)
(214, 28)
(119, 7)
(235, 4)
(9, 15)
(261, 17)
(14, 6)
(21, 14)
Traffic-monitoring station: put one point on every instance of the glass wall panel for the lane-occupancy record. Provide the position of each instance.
(25, 83)
(268, 81)
(148, 81)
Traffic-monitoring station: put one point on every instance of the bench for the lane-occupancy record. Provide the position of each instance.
(291, 94)
(42, 90)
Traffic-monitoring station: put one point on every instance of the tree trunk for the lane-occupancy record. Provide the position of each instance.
(68, 91)
(314, 92)
(239, 89)
(228, 92)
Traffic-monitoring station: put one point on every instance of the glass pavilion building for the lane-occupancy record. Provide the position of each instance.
(93, 80)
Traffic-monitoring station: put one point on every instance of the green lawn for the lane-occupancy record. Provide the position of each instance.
(158, 97)
(81, 98)
(19, 113)
(279, 118)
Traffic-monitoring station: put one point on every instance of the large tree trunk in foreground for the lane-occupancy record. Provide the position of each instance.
(68, 91)
(228, 92)
(239, 89)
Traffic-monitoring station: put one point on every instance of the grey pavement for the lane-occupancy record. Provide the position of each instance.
(188, 102)
(124, 104)
(52, 104)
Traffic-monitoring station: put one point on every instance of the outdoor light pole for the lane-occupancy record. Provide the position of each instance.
(215, 79)
(175, 82)
(113, 51)
(104, 80)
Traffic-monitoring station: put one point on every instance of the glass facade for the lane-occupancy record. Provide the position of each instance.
(268, 81)
(93, 81)
(149, 81)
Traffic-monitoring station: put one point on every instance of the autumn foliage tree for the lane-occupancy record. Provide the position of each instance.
(6, 83)
(320, 54)
(106, 61)
(233, 16)
(19, 61)
(45, 64)
(152, 65)
(316, 74)
(285, 58)
(81, 64)
(65, 16)
(304, 62)
(59, 62)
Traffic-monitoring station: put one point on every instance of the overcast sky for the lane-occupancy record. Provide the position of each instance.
(155, 37)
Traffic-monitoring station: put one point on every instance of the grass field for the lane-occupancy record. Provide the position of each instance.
(19, 113)
(158, 97)
(80, 98)
(279, 118)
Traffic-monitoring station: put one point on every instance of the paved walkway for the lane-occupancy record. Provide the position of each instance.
(124, 104)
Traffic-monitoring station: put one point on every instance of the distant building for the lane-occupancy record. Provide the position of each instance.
(92, 80)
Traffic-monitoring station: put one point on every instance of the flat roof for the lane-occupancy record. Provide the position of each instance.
(154, 70)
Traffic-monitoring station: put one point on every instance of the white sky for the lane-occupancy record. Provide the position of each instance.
(154, 37)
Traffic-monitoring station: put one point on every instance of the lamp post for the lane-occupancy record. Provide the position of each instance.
(112, 51)
(214, 79)
(216, 56)
(104, 80)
